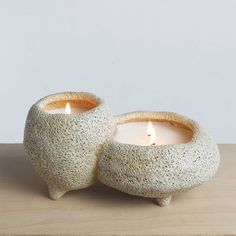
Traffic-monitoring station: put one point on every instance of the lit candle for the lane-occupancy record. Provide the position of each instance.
(152, 133)
(70, 108)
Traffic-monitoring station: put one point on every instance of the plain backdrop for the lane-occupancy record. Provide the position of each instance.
(138, 55)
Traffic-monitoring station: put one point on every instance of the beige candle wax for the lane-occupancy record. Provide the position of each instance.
(67, 107)
(152, 133)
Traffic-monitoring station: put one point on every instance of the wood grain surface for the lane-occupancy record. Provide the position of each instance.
(26, 209)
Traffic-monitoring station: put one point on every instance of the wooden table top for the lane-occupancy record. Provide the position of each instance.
(26, 209)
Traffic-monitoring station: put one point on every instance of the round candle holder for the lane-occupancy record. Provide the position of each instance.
(63, 147)
(158, 171)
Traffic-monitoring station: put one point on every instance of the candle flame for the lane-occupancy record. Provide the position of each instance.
(151, 134)
(67, 110)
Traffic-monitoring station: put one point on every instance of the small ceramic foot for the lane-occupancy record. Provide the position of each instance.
(163, 201)
(55, 194)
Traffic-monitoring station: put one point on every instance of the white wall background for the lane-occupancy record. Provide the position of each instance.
(138, 55)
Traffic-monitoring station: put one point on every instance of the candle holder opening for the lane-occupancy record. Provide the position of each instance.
(152, 129)
(78, 102)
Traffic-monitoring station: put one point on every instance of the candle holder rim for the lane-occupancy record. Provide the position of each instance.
(40, 103)
(129, 116)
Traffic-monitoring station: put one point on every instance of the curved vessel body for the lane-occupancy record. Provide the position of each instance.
(158, 171)
(63, 147)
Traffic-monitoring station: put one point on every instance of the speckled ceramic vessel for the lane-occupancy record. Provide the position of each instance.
(158, 171)
(63, 147)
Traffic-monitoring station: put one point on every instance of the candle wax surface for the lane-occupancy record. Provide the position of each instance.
(166, 133)
(62, 110)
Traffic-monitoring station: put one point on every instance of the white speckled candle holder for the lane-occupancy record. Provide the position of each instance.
(63, 147)
(158, 171)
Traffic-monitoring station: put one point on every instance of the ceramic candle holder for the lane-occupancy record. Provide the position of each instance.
(63, 147)
(158, 171)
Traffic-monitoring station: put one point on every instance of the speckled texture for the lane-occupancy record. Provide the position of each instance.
(158, 171)
(63, 147)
